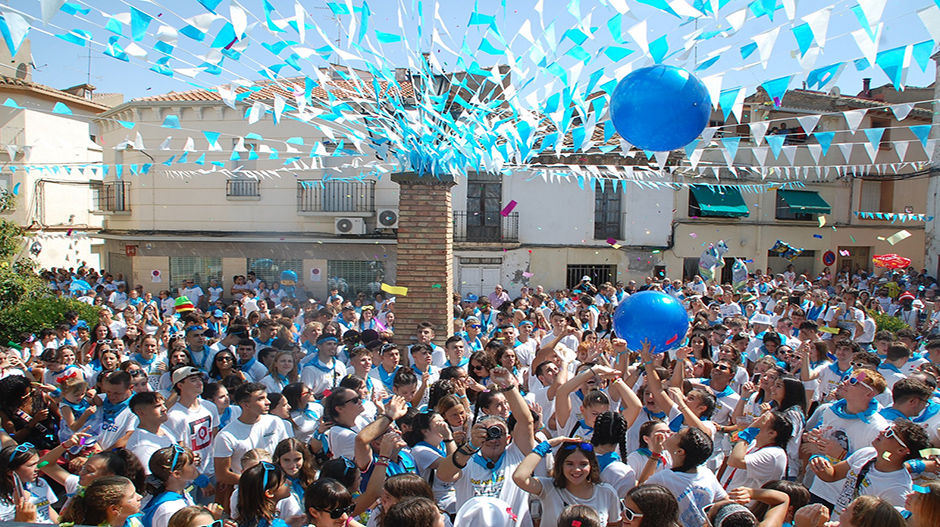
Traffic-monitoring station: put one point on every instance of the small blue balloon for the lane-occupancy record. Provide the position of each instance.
(653, 316)
(660, 108)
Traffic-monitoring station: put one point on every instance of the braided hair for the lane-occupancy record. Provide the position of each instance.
(610, 428)
(698, 448)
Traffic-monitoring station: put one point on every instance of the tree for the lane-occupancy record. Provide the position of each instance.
(18, 278)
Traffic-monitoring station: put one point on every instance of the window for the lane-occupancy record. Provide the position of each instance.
(719, 202)
(335, 196)
(351, 277)
(201, 270)
(484, 204)
(800, 205)
(242, 188)
(876, 196)
(606, 211)
(269, 270)
(805, 263)
(598, 273)
(885, 143)
(111, 196)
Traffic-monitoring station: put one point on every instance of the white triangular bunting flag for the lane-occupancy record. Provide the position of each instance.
(696, 157)
(815, 151)
(846, 151)
(901, 149)
(790, 152)
(138, 142)
(871, 149)
(708, 134)
(190, 145)
(854, 118)
(808, 122)
(759, 129)
(901, 110)
(819, 23)
(765, 44)
(661, 158)
(165, 145)
(760, 154)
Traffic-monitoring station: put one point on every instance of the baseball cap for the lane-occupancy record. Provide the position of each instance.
(218, 313)
(184, 373)
(907, 295)
(585, 278)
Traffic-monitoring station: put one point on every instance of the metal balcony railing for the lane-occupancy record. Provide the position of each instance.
(335, 196)
(111, 196)
(485, 227)
(242, 188)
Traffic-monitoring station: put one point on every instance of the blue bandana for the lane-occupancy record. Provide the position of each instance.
(654, 415)
(606, 459)
(387, 378)
(483, 462)
(439, 448)
(111, 410)
(932, 409)
(892, 415)
(838, 408)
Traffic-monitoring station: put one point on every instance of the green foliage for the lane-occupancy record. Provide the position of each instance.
(30, 316)
(886, 322)
(7, 201)
(18, 278)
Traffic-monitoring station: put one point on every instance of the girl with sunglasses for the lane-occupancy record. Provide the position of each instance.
(341, 408)
(576, 481)
(329, 504)
(304, 413)
(650, 506)
(223, 365)
(172, 470)
(21, 488)
(197, 516)
(260, 488)
(110, 501)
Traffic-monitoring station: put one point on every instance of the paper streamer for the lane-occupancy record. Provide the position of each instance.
(898, 236)
(508, 208)
(394, 290)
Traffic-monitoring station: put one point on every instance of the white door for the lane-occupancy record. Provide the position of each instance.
(477, 280)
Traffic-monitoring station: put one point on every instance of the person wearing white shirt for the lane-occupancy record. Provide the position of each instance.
(150, 435)
(757, 460)
(192, 291)
(559, 334)
(114, 421)
(194, 421)
(325, 371)
(254, 428)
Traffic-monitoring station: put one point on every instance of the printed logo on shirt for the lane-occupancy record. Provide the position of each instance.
(200, 431)
(490, 487)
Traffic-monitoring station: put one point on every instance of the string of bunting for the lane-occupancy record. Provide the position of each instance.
(892, 216)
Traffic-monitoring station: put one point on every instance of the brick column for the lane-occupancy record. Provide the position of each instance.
(425, 255)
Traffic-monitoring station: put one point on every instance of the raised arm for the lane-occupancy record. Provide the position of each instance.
(393, 410)
(522, 477)
(523, 435)
(49, 462)
(654, 383)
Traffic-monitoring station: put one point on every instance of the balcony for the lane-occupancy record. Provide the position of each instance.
(486, 227)
(111, 197)
(326, 198)
(242, 190)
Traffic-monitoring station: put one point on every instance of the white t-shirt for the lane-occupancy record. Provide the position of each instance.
(571, 341)
(852, 435)
(144, 443)
(444, 493)
(166, 510)
(237, 438)
(620, 476)
(110, 430)
(478, 480)
(194, 429)
(40, 495)
(342, 442)
(693, 490)
(763, 465)
(893, 487)
(604, 501)
(319, 380)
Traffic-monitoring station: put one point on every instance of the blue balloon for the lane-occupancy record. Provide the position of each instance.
(660, 108)
(653, 316)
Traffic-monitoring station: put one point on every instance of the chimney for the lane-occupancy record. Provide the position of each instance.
(866, 87)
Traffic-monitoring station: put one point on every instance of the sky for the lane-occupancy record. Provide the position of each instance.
(61, 64)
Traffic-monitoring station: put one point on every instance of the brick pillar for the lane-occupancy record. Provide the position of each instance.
(425, 255)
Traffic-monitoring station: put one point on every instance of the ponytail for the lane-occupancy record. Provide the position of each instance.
(91, 506)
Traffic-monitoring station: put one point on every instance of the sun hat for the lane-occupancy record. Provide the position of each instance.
(183, 304)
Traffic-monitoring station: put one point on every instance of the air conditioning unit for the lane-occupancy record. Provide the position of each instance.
(386, 219)
(350, 226)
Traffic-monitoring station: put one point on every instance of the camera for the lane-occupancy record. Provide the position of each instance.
(494, 432)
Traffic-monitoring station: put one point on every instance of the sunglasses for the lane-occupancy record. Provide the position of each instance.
(216, 523)
(478, 367)
(268, 467)
(890, 432)
(24, 448)
(722, 367)
(136, 373)
(354, 400)
(177, 450)
(104, 341)
(225, 359)
(587, 447)
(476, 326)
(855, 380)
(628, 513)
(340, 511)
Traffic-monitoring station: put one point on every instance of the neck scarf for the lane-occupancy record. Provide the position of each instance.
(246, 367)
(835, 369)
(889, 367)
(932, 409)
(111, 410)
(838, 408)
(316, 363)
(439, 448)
(386, 377)
(77, 408)
(653, 415)
(606, 459)
(719, 394)
(892, 414)
(486, 463)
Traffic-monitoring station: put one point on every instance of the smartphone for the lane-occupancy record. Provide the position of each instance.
(755, 379)
(794, 300)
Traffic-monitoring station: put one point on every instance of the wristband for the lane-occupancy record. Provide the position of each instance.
(660, 459)
(464, 396)
(814, 456)
(453, 459)
(917, 466)
(451, 440)
(542, 449)
(202, 481)
(382, 458)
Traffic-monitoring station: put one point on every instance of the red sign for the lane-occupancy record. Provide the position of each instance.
(130, 250)
(829, 258)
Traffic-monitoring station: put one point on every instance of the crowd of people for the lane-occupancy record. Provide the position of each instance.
(785, 404)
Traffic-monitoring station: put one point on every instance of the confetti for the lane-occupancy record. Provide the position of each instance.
(853, 239)
(512, 204)
(656, 251)
(898, 236)
(817, 236)
(693, 235)
(436, 286)
(881, 238)
(611, 241)
(822, 222)
(393, 290)
(844, 253)
(616, 246)
(526, 274)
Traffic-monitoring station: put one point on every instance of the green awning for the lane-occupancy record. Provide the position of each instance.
(806, 201)
(722, 201)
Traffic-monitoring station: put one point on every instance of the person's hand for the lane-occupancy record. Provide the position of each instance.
(41, 415)
(441, 427)
(396, 408)
(813, 515)
(604, 372)
(740, 495)
(161, 367)
(426, 377)
(830, 448)
(675, 393)
(392, 443)
(324, 425)
(748, 388)
(657, 439)
(536, 409)
(502, 378)
(619, 345)
(821, 465)
(477, 435)
(556, 441)
(76, 438)
(25, 511)
(215, 509)
(765, 408)
(684, 352)
(209, 490)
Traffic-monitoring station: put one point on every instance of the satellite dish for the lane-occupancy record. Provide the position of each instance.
(835, 91)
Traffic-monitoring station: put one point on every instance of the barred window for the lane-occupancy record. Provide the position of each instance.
(269, 269)
(201, 270)
(351, 277)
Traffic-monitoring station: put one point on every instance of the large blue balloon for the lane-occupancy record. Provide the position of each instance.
(653, 316)
(660, 108)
